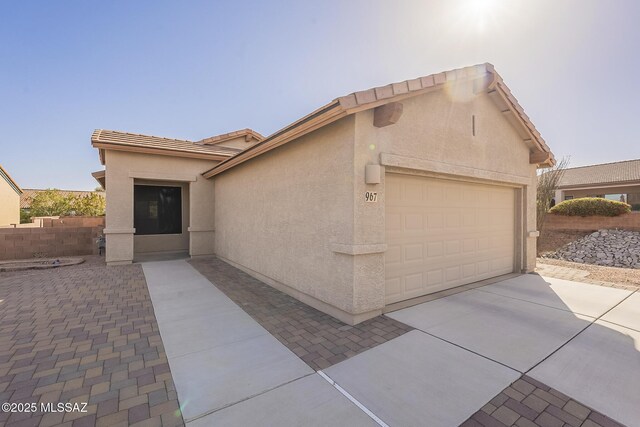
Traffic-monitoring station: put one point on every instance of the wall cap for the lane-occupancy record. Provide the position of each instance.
(119, 230)
(365, 249)
(200, 229)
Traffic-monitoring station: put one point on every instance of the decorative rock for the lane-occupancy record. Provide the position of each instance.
(620, 248)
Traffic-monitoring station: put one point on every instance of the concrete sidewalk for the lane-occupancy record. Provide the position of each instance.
(226, 367)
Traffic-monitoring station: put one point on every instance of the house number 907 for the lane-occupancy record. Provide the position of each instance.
(371, 196)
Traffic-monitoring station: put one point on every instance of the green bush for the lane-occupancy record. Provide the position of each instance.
(635, 207)
(588, 206)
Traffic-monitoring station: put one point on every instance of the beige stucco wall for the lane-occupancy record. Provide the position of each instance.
(296, 217)
(278, 215)
(9, 204)
(122, 170)
(434, 138)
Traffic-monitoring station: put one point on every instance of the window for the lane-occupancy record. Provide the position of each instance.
(157, 210)
(568, 197)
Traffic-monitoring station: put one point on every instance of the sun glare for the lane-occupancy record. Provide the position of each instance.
(479, 15)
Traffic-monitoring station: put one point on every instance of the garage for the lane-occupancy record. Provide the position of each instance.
(445, 233)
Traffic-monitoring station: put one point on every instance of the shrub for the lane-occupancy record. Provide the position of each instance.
(588, 206)
(53, 202)
(635, 207)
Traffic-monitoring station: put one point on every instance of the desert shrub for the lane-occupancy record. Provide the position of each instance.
(588, 206)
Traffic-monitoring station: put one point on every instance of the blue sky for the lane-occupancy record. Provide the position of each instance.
(199, 68)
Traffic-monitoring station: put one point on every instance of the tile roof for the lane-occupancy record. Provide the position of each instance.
(483, 76)
(4, 174)
(29, 193)
(102, 138)
(606, 173)
(484, 72)
(248, 134)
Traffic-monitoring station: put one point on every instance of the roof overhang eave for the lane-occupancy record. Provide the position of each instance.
(315, 120)
(100, 176)
(102, 146)
(14, 185)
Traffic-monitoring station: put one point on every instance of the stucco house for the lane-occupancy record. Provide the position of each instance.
(616, 181)
(10, 193)
(378, 197)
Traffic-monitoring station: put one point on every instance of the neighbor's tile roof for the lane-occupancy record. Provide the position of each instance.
(247, 133)
(29, 193)
(126, 139)
(605, 173)
(4, 174)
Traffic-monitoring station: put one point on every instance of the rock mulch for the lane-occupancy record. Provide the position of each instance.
(612, 248)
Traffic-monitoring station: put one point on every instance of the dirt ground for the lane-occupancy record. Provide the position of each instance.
(620, 276)
(90, 261)
(551, 240)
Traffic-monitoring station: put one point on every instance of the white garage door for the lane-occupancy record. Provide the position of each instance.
(441, 234)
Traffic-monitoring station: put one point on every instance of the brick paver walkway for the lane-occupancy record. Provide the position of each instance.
(84, 334)
(317, 338)
(529, 403)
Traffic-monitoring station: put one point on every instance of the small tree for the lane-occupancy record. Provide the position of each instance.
(548, 181)
(25, 216)
(49, 202)
(52, 202)
(92, 204)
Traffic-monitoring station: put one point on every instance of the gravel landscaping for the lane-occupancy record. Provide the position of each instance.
(611, 248)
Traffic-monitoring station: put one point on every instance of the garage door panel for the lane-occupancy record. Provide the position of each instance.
(413, 222)
(393, 222)
(435, 220)
(453, 247)
(414, 252)
(413, 282)
(393, 288)
(442, 234)
(469, 245)
(469, 270)
(453, 219)
(393, 254)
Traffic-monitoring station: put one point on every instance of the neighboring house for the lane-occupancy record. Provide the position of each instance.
(616, 181)
(29, 193)
(10, 193)
(378, 197)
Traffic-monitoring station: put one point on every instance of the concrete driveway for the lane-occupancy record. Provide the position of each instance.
(524, 351)
(582, 340)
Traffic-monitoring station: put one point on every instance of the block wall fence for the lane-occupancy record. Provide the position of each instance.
(630, 221)
(59, 237)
